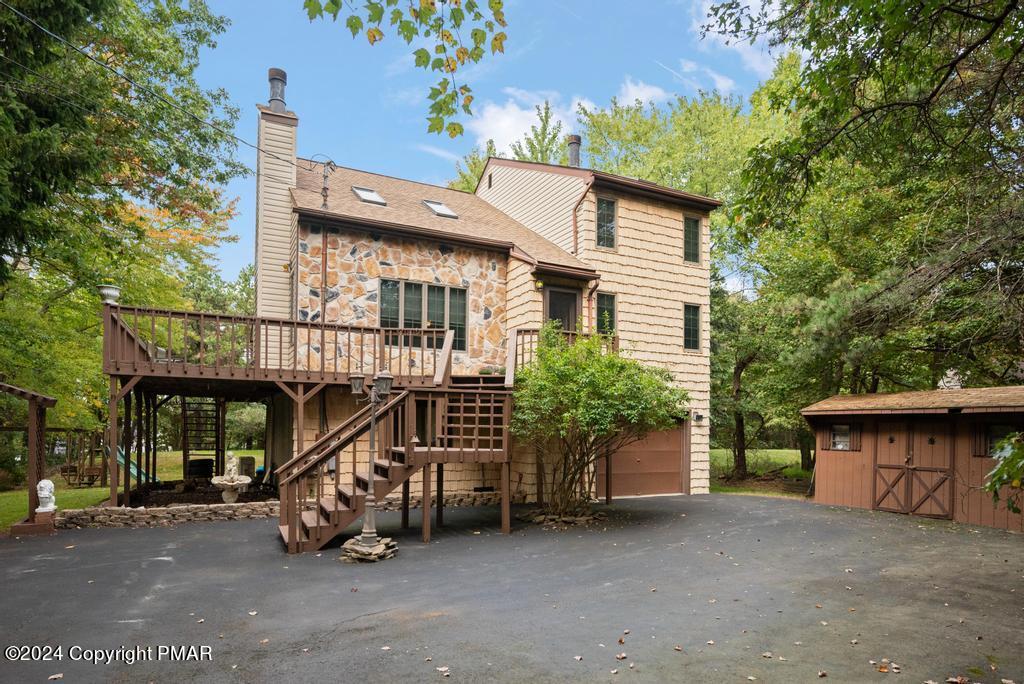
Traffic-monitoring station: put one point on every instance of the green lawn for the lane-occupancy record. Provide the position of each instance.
(14, 503)
(761, 461)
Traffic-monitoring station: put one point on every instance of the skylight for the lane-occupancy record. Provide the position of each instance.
(368, 195)
(440, 208)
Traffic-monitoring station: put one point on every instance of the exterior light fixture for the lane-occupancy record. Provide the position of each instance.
(698, 417)
(539, 284)
(382, 383)
(357, 381)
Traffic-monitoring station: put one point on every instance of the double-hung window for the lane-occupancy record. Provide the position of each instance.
(421, 306)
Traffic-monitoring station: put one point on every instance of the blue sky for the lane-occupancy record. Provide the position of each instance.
(364, 106)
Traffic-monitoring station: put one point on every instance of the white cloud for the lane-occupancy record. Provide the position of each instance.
(689, 74)
(755, 58)
(507, 122)
(630, 91)
(438, 152)
(723, 83)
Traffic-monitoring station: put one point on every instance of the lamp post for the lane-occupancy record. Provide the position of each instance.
(378, 394)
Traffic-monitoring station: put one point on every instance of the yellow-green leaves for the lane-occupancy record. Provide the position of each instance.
(442, 26)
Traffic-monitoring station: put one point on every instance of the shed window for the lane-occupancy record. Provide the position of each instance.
(691, 327)
(404, 302)
(994, 434)
(605, 313)
(605, 222)
(691, 239)
(840, 438)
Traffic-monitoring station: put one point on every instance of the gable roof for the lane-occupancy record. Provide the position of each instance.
(611, 181)
(479, 223)
(974, 400)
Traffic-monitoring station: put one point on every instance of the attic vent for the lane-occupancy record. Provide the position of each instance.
(369, 196)
(440, 208)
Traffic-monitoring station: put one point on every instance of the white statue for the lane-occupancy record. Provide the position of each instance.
(231, 472)
(47, 501)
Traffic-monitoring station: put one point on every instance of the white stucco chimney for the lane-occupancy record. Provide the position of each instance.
(275, 221)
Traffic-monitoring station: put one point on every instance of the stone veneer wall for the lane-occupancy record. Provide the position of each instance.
(356, 262)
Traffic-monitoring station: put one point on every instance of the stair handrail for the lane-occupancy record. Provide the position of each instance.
(324, 441)
(315, 459)
(443, 373)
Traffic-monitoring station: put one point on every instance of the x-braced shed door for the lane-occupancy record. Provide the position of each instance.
(914, 469)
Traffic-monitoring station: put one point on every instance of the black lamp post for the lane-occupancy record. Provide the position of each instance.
(378, 394)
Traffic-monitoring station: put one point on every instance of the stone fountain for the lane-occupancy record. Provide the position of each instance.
(231, 483)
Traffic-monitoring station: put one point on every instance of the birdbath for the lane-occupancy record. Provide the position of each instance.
(231, 483)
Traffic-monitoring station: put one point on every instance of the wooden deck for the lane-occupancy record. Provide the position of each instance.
(189, 345)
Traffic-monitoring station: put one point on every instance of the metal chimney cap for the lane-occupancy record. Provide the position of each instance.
(278, 78)
(574, 142)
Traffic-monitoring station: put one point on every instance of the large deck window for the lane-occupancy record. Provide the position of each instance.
(443, 308)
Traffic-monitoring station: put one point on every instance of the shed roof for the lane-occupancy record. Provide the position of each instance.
(973, 400)
(478, 223)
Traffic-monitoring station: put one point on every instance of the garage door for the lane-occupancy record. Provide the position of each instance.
(659, 464)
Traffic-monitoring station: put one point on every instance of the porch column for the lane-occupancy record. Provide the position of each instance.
(607, 479)
(126, 438)
(36, 453)
(139, 437)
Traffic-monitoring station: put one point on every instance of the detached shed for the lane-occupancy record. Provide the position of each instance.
(920, 453)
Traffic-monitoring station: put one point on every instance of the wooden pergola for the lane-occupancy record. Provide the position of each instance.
(37, 405)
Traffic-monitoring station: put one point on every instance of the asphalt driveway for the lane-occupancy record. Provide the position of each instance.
(710, 588)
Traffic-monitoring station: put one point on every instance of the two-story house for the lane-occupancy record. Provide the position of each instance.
(358, 272)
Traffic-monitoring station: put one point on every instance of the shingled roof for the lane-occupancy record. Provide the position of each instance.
(478, 223)
(978, 399)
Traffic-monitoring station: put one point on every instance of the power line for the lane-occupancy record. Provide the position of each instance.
(143, 88)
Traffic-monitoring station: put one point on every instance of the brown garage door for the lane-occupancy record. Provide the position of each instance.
(659, 464)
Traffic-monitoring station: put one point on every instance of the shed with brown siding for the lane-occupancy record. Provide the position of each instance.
(920, 453)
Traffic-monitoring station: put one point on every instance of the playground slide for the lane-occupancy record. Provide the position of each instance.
(137, 474)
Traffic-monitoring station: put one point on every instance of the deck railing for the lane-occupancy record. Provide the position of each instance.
(142, 341)
(522, 348)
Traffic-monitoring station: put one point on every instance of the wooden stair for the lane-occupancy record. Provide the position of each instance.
(465, 424)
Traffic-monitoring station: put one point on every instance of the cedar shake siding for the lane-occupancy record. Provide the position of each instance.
(652, 284)
(646, 271)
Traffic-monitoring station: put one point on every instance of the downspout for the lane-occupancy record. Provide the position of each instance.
(575, 208)
(590, 304)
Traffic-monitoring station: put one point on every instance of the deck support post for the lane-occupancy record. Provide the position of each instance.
(126, 438)
(405, 505)
(426, 503)
(506, 497)
(112, 441)
(439, 507)
(140, 433)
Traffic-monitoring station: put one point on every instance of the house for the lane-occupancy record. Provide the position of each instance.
(357, 272)
(919, 453)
